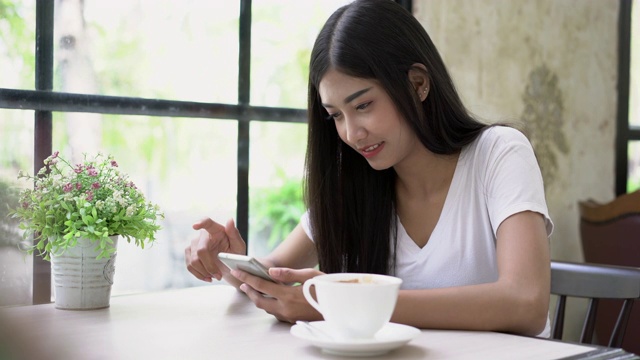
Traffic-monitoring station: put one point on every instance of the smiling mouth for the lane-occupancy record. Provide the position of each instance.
(371, 148)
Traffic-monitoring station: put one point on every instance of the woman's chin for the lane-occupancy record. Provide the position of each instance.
(377, 165)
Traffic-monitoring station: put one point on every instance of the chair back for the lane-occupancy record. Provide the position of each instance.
(594, 282)
(610, 234)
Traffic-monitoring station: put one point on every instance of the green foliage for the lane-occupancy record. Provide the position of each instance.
(9, 235)
(633, 184)
(279, 208)
(18, 37)
(92, 200)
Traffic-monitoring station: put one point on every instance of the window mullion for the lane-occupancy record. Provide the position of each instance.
(42, 131)
(244, 88)
(624, 67)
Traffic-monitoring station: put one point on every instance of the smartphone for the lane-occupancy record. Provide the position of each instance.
(246, 263)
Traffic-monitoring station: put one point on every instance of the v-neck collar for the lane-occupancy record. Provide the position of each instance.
(450, 201)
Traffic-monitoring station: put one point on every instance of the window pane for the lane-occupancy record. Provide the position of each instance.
(180, 50)
(275, 182)
(16, 154)
(17, 44)
(633, 181)
(283, 33)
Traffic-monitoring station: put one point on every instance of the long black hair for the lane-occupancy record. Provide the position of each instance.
(351, 205)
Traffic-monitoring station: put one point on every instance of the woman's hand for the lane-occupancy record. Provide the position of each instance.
(285, 302)
(202, 254)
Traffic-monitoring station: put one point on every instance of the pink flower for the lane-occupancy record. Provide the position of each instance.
(89, 195)
(55, 154)
(67, 187)
(131, 185)
(95, 185)
(92, 172)
(79, 185)
(78, 169)
(114, 163)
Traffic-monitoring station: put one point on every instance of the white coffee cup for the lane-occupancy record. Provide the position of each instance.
(354, 305)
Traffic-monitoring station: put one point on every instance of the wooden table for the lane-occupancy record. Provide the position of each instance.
(218, 322)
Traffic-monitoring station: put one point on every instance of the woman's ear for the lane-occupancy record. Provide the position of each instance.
(419, 78)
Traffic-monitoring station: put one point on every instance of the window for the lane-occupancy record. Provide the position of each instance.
(201, 102)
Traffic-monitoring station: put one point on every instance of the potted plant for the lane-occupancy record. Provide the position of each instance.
(76, 213)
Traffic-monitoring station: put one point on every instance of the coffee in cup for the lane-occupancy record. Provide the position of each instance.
(354, 305)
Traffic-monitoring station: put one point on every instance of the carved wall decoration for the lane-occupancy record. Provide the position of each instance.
(543, 120)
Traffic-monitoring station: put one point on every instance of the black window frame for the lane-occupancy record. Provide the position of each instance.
(44, 101)
(625, 133)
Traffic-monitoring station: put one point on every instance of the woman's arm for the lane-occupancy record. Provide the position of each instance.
(517, 302)
(296, 251)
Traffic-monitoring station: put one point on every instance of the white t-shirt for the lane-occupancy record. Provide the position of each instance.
(496, 176)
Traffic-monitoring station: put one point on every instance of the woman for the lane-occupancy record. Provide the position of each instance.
(401, 180)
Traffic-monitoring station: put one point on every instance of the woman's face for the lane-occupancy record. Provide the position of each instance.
(366, 119)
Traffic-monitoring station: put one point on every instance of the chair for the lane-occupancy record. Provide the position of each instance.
(610, 234)
(594, 282)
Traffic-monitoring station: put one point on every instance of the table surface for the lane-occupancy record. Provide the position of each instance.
(218, 322)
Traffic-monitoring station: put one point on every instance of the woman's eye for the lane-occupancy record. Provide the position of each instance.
(333, 116)
(363, 106)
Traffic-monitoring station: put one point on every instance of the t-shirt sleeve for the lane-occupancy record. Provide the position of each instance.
(306, 224)
(513, 182)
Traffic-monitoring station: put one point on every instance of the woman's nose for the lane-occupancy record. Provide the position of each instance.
(355, 131)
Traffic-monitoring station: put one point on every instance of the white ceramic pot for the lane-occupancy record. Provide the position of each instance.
(81, 281)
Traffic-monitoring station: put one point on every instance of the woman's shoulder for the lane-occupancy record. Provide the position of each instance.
(495, 140)
(502, 133)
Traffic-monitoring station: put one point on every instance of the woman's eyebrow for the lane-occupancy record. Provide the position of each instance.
(351, 97)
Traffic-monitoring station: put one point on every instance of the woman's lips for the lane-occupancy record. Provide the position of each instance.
(373, 150)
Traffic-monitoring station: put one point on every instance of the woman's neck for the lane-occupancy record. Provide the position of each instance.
(425, 174)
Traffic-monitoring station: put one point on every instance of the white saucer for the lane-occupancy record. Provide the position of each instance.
(391, 336)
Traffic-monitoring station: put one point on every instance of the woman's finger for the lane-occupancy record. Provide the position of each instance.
(290, 276)
(194, 266)
(236, 243)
